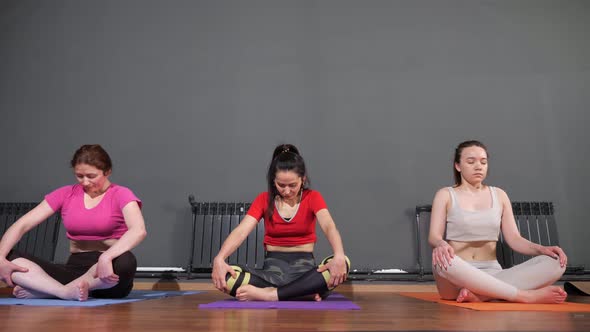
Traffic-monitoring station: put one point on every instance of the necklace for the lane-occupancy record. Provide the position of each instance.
(288, 211)
(284, 202)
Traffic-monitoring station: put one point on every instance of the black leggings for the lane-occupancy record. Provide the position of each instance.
(294, 274)
(79, 263)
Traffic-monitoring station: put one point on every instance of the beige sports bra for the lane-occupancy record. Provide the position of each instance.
(469, 226)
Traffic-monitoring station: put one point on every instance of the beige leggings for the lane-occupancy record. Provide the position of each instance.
(488, 279)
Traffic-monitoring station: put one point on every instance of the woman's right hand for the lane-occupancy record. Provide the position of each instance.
(6, 270)
(442, 255)
(220, 270)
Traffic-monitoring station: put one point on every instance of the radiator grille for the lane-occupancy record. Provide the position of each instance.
(40, 241)
(212, 223)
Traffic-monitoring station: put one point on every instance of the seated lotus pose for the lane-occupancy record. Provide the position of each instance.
(103, 222)
(465, 266)
(290, 211)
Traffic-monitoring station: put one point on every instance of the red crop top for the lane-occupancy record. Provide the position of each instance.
(298, 230)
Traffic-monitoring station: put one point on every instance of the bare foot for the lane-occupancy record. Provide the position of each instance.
(251, 293)
(23, 293)
(465, 295)
(83, 290)
(549, 294)
(77, 292)
(317, 298)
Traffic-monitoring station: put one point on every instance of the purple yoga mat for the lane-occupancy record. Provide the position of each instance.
(333, 302)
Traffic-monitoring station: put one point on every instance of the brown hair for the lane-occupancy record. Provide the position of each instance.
(93, 155)
(457, 159)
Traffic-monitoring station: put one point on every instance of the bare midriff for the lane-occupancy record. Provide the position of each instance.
(308, 247)
(77, 246)
(475, 250)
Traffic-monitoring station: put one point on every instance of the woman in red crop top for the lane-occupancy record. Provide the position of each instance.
(465, 266)
(290, 211)
(103, 222)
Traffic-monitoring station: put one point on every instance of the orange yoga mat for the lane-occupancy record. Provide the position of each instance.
(501, 306)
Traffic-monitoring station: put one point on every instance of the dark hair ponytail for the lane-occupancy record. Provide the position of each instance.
(285, 157)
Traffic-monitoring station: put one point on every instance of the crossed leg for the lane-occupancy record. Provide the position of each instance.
(311, 285)
(529, 282)
(36, 283)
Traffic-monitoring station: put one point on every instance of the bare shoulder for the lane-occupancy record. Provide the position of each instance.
(503, 198)
(442, 194)
(442, 199)
(502, 195)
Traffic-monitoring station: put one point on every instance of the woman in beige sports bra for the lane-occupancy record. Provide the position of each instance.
(464, 265)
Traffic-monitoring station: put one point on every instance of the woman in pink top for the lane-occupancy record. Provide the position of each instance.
(473, 213)
(103, 222)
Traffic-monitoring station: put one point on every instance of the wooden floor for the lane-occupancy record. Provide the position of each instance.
(382, 310)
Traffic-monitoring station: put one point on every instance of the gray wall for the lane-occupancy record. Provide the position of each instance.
(192, 96)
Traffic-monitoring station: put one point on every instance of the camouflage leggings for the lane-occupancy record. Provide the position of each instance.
(280, 268)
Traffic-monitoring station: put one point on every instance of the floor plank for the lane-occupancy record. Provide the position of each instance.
(382, 309)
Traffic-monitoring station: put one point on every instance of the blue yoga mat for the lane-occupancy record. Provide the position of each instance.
(333, 302)
(134, 296)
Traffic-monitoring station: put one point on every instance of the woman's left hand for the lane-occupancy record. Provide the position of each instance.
(555, 252)
(337, 268)
(105, 272)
